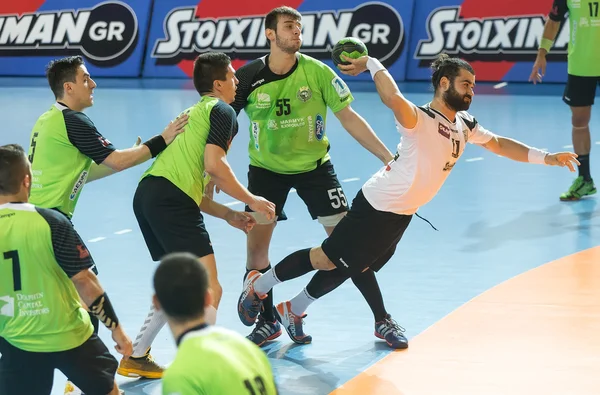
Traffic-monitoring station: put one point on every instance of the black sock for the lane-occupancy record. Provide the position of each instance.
(267, 304)
(369, 288)
(584, 167)
(294, 265)
(324, 282)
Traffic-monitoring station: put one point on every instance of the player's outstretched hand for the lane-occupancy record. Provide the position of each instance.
(562, 159)
(355, 67)
(124, 345)
(263, 206)
(174, 128)
(240, 220)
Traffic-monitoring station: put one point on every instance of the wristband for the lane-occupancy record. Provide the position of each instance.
(537, 156)
(546, 44)
(374, 66)
(103, 310)
(156, 145)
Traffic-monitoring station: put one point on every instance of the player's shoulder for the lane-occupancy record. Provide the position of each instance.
(307, 61)
(77, 117)
(468, 119)
(52, 217)
(250, 69)
(223, 109)
(426, 110)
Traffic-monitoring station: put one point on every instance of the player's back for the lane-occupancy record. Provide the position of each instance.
(39, 305)
(59, 169)
(182, 162)
(214, 360)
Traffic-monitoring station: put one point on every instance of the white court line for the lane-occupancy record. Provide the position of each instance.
(96, 239)
(500, 85)
(232, 203)
(597, 142)
(567, 146)
(351, 179)
(474, 159)
(120, 232)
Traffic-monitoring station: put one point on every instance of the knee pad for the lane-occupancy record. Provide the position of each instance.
(331, 220)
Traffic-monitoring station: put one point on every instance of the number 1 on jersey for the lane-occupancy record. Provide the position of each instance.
(16, 268)
(455, 148)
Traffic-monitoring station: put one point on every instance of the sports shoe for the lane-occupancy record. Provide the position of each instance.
(579, 189)
(250, 302)
(292, 323)
(144, 366)
(391, 332)
(264, 331)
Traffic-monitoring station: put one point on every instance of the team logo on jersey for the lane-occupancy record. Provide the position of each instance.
(319, 127)
(304, 94)
(515, 37)
(8, 309)
(105, 34)
(377, 24)
(263, 100)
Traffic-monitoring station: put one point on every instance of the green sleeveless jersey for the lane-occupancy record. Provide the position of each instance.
(39, 305)
(211, 121)
(213, 360)
(288, 112)
(63, 145)
(584, 30)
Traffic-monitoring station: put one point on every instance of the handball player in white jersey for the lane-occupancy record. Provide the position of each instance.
(433, 137)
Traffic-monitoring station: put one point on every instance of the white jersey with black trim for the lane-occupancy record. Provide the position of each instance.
(425, 156)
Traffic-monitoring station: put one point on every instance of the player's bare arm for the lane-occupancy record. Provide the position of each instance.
(548, 36)
(215, 164)
(123, 159)
(238, 219)
(363, 133)
(520, 152)
(404, 110)
(100, 171)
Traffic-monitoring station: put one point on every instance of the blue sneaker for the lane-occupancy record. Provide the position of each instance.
(264, 331)
(250, 302)
(292, 323)
(391, 332)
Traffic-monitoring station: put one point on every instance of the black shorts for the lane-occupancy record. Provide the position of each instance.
(580, 91)
(320, 190)
(365, 237)
(91, 367)
(169, 219)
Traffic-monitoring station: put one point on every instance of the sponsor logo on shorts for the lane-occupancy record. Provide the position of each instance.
(105, 34)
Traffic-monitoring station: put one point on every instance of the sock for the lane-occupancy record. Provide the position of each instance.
(366, 283)
(324, 282)
(266, 282)
(152, 325)
(268, 312)
(301, 302)
(584, 167)
(292, 266)
(210, 315)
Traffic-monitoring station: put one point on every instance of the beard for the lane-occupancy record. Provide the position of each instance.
(287, 46)
(455, 100)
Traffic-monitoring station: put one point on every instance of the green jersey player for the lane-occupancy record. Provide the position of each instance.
(44, 271)
(584, 75)
(286, 95)
(209, 360)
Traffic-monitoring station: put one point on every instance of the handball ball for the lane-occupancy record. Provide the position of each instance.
(350, 47)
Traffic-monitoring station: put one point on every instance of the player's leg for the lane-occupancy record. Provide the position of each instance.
(579, 95)
(209, 262)
(23, 372)
(91, 367)
(141, 363)
(275, 188)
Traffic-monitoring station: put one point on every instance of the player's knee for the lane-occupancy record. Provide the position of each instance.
(331, 220)
(319, 260)
(581, 116)
(217, 292)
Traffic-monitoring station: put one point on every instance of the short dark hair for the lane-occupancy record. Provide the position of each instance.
(445, 66)
(13, 168)
(209, 67)
(273, 16)
(180, 285)
(60, 71)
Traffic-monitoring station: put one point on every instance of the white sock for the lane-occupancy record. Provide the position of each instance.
(267, 281)
(300, 302)
(154, 322)
(210, 315)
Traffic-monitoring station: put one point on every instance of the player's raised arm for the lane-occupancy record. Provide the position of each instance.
(404, 110)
